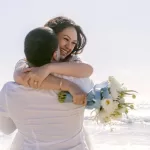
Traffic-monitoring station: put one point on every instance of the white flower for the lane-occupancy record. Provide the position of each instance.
(103, 116)
(122, 110)
(122, 100)
(115, 87)
(116, 117)
(100, 115)
(106, 103)
(113, 81)
(109, 105)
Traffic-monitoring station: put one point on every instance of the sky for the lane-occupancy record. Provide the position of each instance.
(118, 33)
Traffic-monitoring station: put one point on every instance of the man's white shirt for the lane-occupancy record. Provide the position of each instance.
(41, 120)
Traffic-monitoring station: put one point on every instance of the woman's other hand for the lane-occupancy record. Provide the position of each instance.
(35, 75)
(79, 96)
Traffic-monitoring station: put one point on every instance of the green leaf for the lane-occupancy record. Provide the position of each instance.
(126, 111)
(61, 96)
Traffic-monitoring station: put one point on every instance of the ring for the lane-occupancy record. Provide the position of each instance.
(35, 82)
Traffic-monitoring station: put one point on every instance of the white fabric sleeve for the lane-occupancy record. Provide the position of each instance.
(21, 64)
(3, 102)
(7, 125)
(86, 84)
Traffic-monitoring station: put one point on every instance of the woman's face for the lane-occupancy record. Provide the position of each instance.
(67, 41)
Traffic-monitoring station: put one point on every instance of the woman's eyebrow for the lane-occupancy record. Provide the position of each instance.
(67, 36)
(70, 37)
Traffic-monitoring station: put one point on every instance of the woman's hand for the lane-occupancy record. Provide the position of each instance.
(35, 75)
(79, 96)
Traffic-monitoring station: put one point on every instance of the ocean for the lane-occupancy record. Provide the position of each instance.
(129, 133)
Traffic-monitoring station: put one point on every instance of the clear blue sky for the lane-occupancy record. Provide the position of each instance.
(118, 33)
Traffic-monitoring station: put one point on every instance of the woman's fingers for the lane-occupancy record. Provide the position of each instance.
(85, 101)
(26, 79)
(31, 79)
(26, 70)
(79, 99)
(33, 82)
(39, 83)
(35, 76)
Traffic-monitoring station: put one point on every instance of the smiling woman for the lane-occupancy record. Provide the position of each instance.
(71, 41)
(66, 29)
(67, 41)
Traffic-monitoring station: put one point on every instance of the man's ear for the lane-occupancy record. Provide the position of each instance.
(56, 55)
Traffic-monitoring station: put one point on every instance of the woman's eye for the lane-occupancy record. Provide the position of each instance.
(74, 43)
(66, 39)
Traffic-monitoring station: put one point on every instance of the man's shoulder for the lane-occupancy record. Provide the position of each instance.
(9, 84)
(14, 87)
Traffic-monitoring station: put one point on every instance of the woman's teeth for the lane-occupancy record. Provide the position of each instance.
(64, 52)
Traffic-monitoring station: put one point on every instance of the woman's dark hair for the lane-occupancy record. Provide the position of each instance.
(58, 24)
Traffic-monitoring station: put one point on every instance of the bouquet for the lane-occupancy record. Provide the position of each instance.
(108, 99)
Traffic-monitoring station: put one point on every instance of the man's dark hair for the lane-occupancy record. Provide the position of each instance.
(40, 45)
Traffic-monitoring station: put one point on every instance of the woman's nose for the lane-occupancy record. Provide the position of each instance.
(69, 46)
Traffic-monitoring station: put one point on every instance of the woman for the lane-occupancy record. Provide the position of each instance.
(71, 42)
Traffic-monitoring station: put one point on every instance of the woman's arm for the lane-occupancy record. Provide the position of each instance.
(50, 82)
(22, 75)
(79, 70)
(56, 83)
(74, 67)
(37, 74)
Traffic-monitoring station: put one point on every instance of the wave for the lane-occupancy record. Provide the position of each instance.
(140, 115)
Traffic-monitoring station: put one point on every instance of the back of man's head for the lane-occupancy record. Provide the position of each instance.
(40, 45)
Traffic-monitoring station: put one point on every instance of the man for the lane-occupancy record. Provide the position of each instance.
(42, 122)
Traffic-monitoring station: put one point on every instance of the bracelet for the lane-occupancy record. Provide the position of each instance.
(60, 84)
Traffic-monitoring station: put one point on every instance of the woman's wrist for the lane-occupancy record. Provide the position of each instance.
(53, 67)
(48, 68)
(66, 85)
